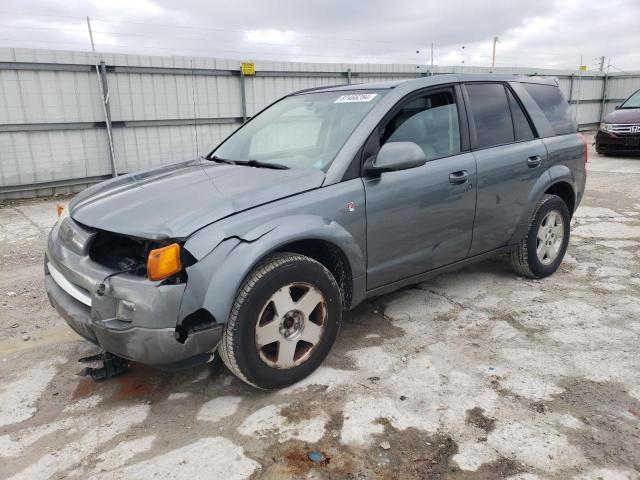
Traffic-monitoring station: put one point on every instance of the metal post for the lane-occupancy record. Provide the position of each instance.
(431, 58)
(107, 114)
(570, 87)
(493, 56)
(243, 97)
(604, 96)
(101, 73)
(348, 76)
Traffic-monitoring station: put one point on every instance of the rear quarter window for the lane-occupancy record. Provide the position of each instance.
(555, 107)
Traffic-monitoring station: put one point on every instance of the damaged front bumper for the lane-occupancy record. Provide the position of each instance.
(133, 317)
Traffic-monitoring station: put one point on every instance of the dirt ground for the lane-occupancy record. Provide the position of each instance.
(479, 374)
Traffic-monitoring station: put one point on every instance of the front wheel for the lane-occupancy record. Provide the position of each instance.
(283, 323)
(541, 252)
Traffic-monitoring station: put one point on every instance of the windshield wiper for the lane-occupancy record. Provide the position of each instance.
(259, 164)
(222, 160)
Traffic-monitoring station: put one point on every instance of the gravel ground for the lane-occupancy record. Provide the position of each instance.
(479, 374)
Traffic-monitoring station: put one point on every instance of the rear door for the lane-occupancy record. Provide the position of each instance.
(509, 161)
(420, 219)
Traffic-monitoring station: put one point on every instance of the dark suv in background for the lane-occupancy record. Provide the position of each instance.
(619, 131)
(326, 198)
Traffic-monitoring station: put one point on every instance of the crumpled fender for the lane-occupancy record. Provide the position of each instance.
(219, 272)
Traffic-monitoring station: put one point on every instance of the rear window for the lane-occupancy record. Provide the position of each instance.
(553, 105)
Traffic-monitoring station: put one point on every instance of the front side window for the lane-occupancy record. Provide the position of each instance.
(430, 121)
(491, 114)
(301, 131)
(633, 101)
(553, 105)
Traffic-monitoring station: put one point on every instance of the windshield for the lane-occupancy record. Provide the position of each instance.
(633, 101)
(301, 131)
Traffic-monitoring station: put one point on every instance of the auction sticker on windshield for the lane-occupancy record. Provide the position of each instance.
(356, 97)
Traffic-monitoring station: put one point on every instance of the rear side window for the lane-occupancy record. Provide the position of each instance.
(521, 126)
(491, 114)
(553, 105)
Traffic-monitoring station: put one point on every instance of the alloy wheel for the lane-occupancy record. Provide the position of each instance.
(290, 325)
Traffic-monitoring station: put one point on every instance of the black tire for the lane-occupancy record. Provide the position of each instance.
(524, 258)
(238, 348)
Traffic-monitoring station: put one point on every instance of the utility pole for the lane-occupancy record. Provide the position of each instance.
(601, 63)
(493, 56)
(431, 58)
(104, 94)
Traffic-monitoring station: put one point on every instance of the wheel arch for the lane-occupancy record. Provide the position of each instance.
(331, 256)
(558, 181)
(565, 191)
(219, 275)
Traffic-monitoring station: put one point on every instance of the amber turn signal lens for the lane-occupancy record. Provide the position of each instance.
(163, 262)
(59, 209)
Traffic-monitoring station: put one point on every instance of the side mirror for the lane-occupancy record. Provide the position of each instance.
(617, 107)
(396, 156)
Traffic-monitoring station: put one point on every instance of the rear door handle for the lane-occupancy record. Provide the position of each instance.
(534, 161)
(459, 177)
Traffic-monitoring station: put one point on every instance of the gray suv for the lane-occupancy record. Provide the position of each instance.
(325, 198)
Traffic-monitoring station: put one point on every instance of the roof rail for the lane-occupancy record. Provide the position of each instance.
(306, 90)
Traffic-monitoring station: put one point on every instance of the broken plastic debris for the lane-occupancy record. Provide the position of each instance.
(316, 457)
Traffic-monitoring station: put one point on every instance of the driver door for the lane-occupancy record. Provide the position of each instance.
(421, 218)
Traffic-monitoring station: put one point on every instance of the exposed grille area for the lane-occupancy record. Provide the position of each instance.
(625, 128)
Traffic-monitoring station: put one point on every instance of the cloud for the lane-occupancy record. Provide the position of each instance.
(546, 33)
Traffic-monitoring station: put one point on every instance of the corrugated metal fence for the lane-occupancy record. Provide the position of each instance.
(53, 136)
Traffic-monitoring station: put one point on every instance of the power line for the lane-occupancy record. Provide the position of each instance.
(149, 35)
(243, 52)
(216, 29)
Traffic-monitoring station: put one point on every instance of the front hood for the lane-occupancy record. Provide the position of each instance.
(176, 200)
(623, 115)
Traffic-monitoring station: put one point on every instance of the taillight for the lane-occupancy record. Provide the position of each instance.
(586, 148)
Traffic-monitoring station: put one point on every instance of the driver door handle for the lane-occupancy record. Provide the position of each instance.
(459, 177)
(534, 161)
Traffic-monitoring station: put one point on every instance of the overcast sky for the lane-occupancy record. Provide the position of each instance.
(541, 33)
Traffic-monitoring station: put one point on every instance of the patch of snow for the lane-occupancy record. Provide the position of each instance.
(122, 452)
(535, 446)
(472, 455)
(372, 359)
(116, 422)
(218, 408)
(607, 230)
(268, 422)
(331, 378)
(212, 457)
(19, 397)
(83, 404)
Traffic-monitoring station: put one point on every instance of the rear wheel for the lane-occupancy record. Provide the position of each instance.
(541, 252)
(283, 323)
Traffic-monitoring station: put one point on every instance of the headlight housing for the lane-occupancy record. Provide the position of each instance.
(163, 262)
(606, 127)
